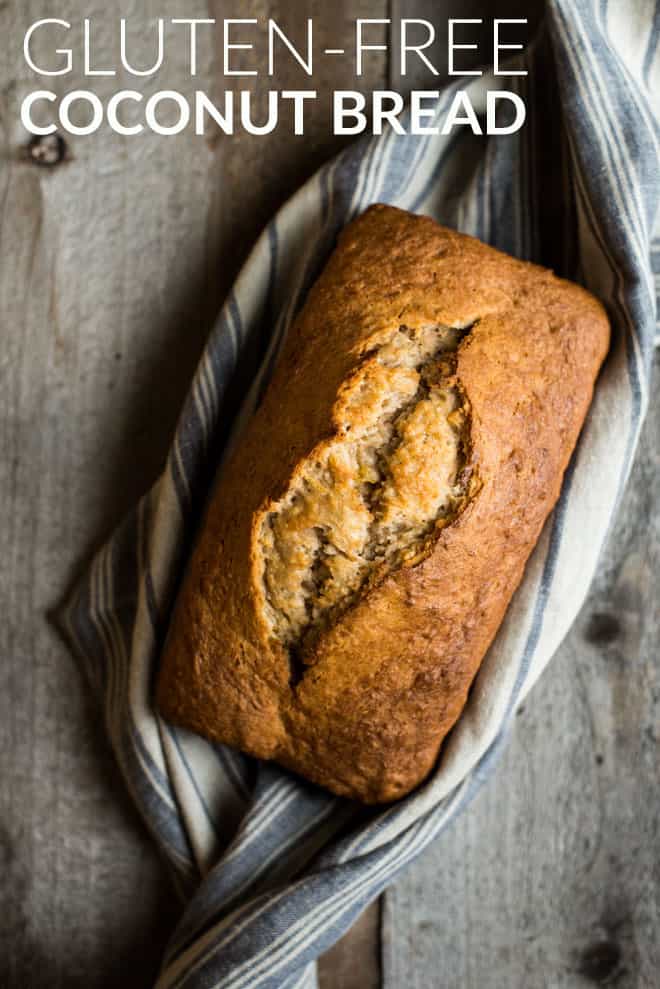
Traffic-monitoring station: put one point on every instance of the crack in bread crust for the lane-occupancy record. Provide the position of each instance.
(375, 495)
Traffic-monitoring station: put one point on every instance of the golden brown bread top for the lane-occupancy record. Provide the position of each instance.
(362, 705)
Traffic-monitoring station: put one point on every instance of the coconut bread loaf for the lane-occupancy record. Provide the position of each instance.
(366, 536)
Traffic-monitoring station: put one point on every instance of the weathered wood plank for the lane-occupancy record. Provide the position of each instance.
(355, 961)
(551, 877)
(114, 266)
(106, 297)
(546, 880)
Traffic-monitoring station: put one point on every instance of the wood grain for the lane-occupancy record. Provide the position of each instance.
(551, 878)
(106, 298)
(115, 264)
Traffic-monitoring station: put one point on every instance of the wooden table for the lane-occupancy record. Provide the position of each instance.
(114, 265)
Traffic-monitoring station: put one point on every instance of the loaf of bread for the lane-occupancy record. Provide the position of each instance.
(366, 536)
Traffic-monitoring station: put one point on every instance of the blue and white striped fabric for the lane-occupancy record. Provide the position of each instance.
(272, 869)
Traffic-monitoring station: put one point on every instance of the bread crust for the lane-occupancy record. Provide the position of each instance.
(386, 682)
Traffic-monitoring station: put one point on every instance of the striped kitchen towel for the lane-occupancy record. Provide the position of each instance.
(272, 869)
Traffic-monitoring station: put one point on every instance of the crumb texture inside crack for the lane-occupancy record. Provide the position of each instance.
(373, 496)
